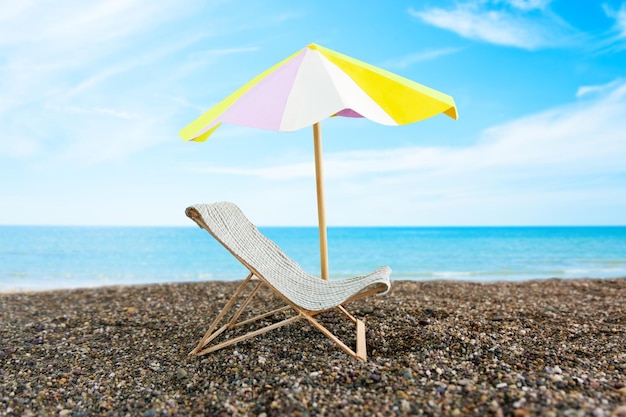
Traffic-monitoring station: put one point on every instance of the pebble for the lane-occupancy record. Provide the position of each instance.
(434, 348)
(619, 411)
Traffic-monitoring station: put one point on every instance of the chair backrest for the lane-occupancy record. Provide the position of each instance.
(226, 222)
(228, 225)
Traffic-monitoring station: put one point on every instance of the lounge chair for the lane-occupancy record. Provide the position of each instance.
(304, 294)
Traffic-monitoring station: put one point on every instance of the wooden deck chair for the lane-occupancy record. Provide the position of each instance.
(304, 294)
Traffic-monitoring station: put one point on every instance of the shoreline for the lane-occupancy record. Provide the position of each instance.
(231, 281)
(539, 347)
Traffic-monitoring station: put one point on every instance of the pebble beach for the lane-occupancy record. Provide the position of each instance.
(546, 347)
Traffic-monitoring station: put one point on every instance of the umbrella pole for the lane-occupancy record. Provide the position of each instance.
(321, 214)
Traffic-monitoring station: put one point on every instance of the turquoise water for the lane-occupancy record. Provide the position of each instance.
(42, 257)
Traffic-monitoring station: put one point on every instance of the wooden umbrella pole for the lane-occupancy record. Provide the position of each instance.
(321, 214)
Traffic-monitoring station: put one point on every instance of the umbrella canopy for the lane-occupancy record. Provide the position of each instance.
(316, 83)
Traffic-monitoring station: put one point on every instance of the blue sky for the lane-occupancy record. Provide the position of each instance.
(93, 94)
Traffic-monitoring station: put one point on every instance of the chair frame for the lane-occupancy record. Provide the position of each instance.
(203, 347)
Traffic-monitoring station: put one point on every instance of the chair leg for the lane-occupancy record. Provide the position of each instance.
(348, 315)
(249, 335)
(221, 315)
(212, 333)
(361, 346)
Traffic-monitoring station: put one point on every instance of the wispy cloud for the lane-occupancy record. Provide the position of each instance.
(558, 150)
(527, 4)
(224, 51)
(614, 39)
(71, 26)
(97, 111)
(620, 19)
(414, 58)
(121, 137)
(545, 168)
(605, 89)
(17, 146)
(90, 82)
(516, 23)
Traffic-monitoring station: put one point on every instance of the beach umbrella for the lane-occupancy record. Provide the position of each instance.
(311, 85)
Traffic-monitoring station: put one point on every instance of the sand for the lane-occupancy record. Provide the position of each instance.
(549, 347)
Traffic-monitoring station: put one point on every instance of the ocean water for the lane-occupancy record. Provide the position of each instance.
(43, 257)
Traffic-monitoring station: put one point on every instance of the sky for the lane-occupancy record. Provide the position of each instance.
(93, 95)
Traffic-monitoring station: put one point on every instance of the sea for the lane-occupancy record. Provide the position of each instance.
(57, 257)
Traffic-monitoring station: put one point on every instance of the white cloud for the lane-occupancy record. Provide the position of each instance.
(408, 60)
(614, 39)
(86, 81)
(587, 90)
(121, 137)
(585, 135)
(17, 146)
(97, 111)
(620, 19)
(528, 4)
(576, 151)
(283, 172)
(224, 51)
(73, 23)
(521, 24)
